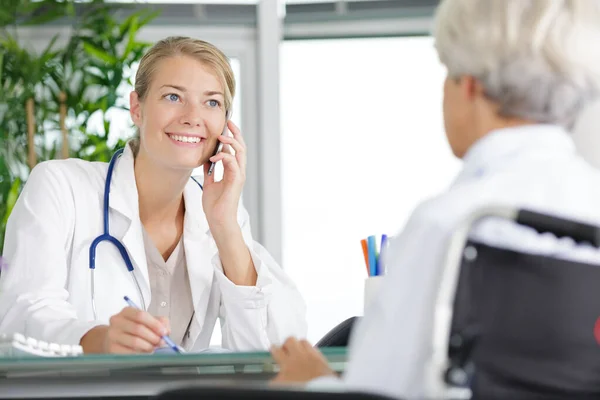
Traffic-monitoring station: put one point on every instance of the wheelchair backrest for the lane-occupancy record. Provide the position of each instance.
(525, 326)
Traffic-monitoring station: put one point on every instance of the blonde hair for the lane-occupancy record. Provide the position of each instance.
(173, 46)
(538, 59)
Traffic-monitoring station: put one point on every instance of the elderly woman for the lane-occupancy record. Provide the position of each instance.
(518, 74)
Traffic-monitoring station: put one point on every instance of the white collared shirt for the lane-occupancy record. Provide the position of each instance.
(534, 167)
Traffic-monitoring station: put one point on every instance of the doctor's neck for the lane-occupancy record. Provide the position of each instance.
(160, 190)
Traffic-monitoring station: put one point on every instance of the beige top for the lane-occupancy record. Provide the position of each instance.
(170, 288)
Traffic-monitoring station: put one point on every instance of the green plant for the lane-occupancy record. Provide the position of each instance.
(89, 70)
(103, 51)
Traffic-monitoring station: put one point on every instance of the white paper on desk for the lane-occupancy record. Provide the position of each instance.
(209, 350)
(166, 350)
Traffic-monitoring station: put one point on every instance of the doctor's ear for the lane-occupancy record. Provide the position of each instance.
(135, 108)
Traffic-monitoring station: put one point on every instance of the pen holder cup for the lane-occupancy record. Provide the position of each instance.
(372, 287)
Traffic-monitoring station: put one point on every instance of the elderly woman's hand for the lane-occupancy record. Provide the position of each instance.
(299, 362)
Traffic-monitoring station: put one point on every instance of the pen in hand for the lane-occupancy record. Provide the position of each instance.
(166, 338)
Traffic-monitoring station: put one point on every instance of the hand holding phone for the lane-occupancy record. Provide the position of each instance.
(219, 145)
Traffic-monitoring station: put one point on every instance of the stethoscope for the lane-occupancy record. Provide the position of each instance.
(106, 236)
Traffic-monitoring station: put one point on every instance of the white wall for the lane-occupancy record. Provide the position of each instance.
(362, 144)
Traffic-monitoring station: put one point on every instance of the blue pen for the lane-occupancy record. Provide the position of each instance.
(380, 266)
(372, 246)
(166, 338)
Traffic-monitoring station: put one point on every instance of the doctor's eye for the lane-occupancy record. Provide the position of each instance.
(172, 97)
(214, 103)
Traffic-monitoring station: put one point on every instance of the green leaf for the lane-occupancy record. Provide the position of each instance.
(1, 66)
(133, 28)
(98, 53)
(11, 199)
(45, 11)
(124, 26)
(93, 79)
(48, 50)
(150, 15)
(70, 11)
(6, 17)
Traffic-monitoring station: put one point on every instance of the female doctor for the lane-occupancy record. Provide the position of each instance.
(84, 235)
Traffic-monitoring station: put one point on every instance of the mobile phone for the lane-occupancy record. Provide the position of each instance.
(219, 145)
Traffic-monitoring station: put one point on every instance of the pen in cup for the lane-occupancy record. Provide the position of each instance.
(374, 257)
(380, 264)
(372, 249)
(365, 249)
(166, 338)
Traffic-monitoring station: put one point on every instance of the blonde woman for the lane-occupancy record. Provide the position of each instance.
(518, 75)
(83, 236)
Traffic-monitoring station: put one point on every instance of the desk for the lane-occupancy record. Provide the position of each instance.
(138, 376)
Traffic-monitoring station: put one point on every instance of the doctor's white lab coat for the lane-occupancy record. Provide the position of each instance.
(534, 167)
(45, 292)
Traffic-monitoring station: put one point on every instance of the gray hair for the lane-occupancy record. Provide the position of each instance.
(537, 59)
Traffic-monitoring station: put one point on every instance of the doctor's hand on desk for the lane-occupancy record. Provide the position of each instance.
(299, 362)
(130, 331)
(220, 201)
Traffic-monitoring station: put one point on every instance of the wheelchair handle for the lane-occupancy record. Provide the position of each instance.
(560, 227)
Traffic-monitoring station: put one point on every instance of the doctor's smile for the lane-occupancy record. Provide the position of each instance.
(187, 139)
